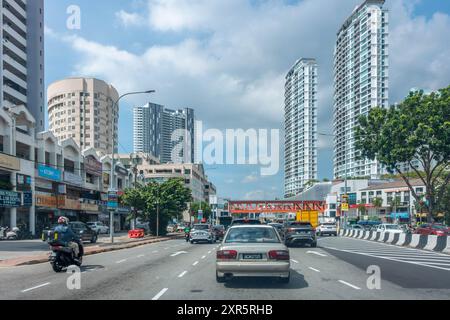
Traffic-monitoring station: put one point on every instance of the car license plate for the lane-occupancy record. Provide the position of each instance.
(252, 256)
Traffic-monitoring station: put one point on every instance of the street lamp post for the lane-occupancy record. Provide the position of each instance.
(112, 186)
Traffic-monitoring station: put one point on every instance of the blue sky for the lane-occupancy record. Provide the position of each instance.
(227, 60)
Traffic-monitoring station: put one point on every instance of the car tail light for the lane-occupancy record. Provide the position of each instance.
(56, 247)
(279, 255)
(226, 254)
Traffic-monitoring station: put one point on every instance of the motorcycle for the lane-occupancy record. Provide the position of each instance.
(63, 256)
(186, 236)
(9, 234)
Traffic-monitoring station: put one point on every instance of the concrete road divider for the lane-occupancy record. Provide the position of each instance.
(417, 241)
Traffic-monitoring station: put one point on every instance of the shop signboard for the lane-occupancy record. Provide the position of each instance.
(9, 162)
(121, 171)
(113, 200)
(44, 200)
(49, 173)
(27, 198)
(10, 199)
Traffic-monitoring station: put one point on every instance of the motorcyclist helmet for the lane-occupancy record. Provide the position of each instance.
(63, 220)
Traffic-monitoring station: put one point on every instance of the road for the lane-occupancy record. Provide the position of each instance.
(177, 270)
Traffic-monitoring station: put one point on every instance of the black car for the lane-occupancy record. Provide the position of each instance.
(278, 226)
(298, 232)
(219, 231)
(83, 231)
(236, 222)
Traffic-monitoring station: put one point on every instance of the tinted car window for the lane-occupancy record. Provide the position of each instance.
(201, 226)
(252, 235)
(245, 221)
(297, 224)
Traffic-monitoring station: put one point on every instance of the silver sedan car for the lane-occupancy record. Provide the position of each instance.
(252, 251)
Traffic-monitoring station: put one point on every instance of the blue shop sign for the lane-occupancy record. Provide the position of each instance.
(49, 173)
(27, 198)
(10, 199)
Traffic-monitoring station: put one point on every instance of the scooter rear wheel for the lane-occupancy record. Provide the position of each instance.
(56, 267)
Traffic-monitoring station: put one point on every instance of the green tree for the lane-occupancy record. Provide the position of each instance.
(163, 201)
(377, 203)
(134, 198)
(308, 184)
(206, 208)
(416, 129)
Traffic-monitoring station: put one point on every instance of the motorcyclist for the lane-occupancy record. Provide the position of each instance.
(187, 230)
(66, 235)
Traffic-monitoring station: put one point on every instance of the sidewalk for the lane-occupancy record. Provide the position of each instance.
(103, 245)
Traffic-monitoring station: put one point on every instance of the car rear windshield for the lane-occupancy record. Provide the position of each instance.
(236, 222)
(252, 235)
(201, 226)
(300, 224)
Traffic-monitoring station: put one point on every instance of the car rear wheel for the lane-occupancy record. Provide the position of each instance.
(314, 245)
(286, 280)
(220, 279)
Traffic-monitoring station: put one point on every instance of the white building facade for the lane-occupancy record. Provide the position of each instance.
(360, 83)
(300, 126)
(22, 58)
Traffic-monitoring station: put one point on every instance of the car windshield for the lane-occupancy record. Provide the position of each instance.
(201, 227)
(393, 227)
(252, 235)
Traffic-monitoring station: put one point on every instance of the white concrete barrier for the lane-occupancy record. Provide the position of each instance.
(401, 239)
(367, 236)
(431, 242)
(374, 235)
(415, 240)
(447, 248)
(391, 237)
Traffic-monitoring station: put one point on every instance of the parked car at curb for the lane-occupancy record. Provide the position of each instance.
(83, 231)
(299, 232)
(252, 251)
(98, 227)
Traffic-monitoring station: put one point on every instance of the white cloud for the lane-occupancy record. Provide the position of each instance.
(130, 19)
(250, 178)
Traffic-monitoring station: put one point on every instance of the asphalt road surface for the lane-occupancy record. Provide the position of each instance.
(176, 270)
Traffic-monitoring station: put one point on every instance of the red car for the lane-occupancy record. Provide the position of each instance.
(433, 229)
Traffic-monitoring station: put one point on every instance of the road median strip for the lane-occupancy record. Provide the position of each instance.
(30, 260)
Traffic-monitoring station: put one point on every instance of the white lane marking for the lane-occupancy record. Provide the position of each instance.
(182, 274)
(294, 260)
(177, 253)
(313, 269)
(195, 263)
(39, 286)
(349, 284)
(141, 255)
(156, 251)
(203, 257)
(209, 252)
(120, 261)
(166, 248)
(160, 294)
(391, 259)
(317, 253)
